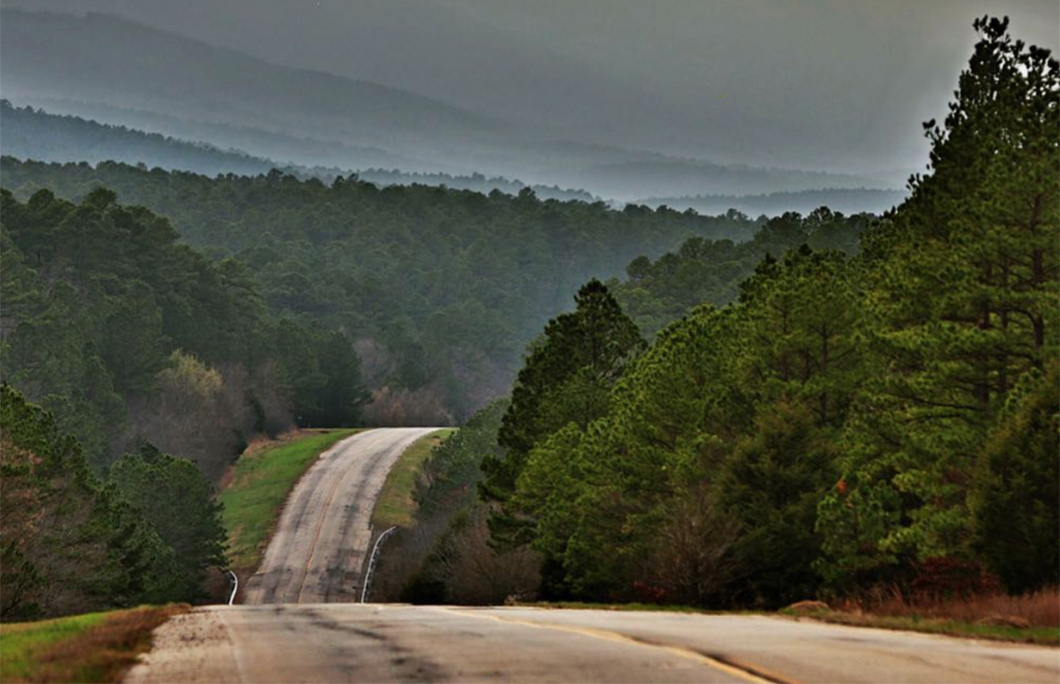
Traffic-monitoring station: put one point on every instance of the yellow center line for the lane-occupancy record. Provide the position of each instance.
(608, 635)
(322, 517)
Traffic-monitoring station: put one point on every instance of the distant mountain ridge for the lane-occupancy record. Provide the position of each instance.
(845, 200)
(27, 133)
(185, 88)
(88, 58)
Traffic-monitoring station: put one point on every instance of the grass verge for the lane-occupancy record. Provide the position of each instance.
(97, 647)
(1049, 636)
(395, 505)
(259, 484)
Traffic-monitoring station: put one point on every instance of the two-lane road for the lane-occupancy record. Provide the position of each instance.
(313, 565)
(320, 544)
(398, 643)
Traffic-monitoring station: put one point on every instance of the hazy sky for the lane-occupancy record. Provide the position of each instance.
(838, 85)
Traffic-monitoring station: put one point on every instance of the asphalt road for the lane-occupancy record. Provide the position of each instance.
(321, 542)
(398, 643)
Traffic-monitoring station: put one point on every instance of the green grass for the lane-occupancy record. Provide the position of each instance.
(395, 505)
(96, 647)
(22, 644)
(261, 481)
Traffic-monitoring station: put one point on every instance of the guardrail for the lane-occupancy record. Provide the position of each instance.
(371, 564)
(235, 587)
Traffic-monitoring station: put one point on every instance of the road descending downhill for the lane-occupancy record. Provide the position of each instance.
(401, 643)
(321, 542)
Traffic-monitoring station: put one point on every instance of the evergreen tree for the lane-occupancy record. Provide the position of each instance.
(566, 379)
(178, 502)
(962, 300)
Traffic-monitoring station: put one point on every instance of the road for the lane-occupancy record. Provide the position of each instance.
(321, 541)
(399, 643)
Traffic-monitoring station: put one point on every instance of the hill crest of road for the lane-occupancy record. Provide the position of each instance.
(318, 550)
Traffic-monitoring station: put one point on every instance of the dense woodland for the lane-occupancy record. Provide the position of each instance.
(73, 542)
(888, 421)
(441, 289)
(130, 338)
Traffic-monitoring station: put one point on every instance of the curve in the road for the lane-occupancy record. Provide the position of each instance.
(320, 544)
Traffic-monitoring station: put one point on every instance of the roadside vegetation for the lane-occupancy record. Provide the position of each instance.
(396, 505)
(1032, 618)
(258, 486)
(887, 419)
(96, 647)
(73, 543)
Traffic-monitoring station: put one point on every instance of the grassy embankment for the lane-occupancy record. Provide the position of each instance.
(258, 487)
(97, 647)
(395, 505)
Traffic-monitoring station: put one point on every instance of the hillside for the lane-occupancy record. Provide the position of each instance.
(87, 58)
(29, 133)
(190, 89)
(35, 134)
(443, 289)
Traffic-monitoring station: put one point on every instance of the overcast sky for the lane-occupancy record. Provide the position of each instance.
(838, 85)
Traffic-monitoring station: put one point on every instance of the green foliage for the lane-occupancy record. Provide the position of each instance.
(172, 495)
(842, 421)
(1016, 498)
(771, 484)
(69, 543)
(450, 475)
(567, 379)
(449, 285)
(703, 271)
(961, 301)
(101, 309)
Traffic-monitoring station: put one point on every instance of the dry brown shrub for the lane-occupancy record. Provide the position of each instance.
(401, 407)
(1038, 609)
(103, 653)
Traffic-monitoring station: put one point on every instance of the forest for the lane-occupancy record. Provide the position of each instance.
(440, 289)
(128, 337)
(882, 422)
(732, 412)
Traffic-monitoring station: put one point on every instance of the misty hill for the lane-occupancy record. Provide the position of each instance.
(27, 133)
(846, 200)
(101, 58)
(35, 134)
(114, 70)
(667, 177)
(291, 148)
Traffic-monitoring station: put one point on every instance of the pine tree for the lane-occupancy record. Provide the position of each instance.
(962, 300)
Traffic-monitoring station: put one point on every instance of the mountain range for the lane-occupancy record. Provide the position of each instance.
(185, 88)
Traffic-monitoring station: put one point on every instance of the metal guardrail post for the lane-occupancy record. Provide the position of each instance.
(371, 564)
(235, 588)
